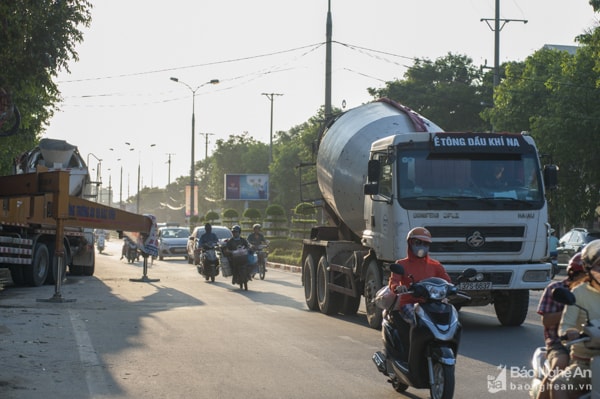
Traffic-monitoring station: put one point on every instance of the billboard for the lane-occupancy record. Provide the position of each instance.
(246, 187)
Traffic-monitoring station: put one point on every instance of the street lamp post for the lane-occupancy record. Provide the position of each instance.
(192, 168)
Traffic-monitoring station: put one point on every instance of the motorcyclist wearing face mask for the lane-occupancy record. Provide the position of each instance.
(570, 382)
(417, 265)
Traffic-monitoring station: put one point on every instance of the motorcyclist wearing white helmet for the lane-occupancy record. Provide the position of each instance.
(573, 380)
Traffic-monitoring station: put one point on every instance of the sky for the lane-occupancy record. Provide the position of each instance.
(120, 91)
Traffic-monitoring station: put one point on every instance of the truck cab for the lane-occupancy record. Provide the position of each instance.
(482, 198)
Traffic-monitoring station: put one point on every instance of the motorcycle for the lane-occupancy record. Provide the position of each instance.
(131, 251)
(209, 262)
(100, 243)
(590, 334)
(422, 356)
(261, 264)
(243, 262)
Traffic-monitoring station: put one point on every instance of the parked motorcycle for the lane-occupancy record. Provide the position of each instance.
(261, 263)
(100, 243)
(422, 356)
(209, 261)
(590, 334)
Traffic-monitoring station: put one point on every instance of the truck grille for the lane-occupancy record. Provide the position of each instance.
(460, 239)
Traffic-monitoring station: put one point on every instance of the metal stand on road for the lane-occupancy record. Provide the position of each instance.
(57, 297)
(144, 278)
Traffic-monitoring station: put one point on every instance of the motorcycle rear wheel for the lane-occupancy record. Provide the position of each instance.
(444, 381)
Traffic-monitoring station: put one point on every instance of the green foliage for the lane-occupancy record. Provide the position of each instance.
(38, 39)
(252, 214)
(275, 210)
(282, 250)
(230, 213)
(553, 95)
(305, 209)
(238, 154)
(211, 216)
(448, 91)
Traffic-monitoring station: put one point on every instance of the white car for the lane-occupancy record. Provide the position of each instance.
(172, 242)
(193, 252)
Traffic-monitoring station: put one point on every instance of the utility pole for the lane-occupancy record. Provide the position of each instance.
(329, 30)
(496, 29)
(169, 162)
(271, 97)
(206, 150)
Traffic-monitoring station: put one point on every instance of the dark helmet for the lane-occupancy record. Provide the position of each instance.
(575, 265)
(236, 228)
(590, 255)
(207, 227)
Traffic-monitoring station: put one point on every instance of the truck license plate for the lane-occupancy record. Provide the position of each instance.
(475, 285)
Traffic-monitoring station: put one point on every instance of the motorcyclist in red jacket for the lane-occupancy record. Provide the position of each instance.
(417, 266)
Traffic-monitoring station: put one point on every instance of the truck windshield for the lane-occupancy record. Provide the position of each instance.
(468, 181)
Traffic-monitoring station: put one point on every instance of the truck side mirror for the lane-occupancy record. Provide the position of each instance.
(550, 176)
(373, 173)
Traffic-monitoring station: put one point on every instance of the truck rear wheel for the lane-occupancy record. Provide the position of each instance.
(329, 301)
(511, 307)
(35, 273)
(309, 280)
(373, 282)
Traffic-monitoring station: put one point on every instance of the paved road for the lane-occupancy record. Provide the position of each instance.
(182, 337)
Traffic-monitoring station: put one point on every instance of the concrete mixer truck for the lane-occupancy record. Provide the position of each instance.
(383, 169)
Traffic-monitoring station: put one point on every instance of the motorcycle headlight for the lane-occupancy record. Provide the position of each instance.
(437, 291)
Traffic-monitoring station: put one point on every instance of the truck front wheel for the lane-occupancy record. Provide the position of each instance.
(309, 280)
(373, 282)
(511, 306)
(36, 272)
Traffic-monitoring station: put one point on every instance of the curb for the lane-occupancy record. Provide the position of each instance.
(288, 268)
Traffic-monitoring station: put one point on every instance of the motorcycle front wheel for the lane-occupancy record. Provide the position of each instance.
(261, 271)
(443, 381)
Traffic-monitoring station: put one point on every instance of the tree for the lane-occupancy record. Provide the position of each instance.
(38, 40)
(239, 154)
(448, 91)
(553, 95)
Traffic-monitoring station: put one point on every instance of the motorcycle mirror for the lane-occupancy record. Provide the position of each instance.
(420, 291)
(469, 273)
(563, 295)
(397, 268)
